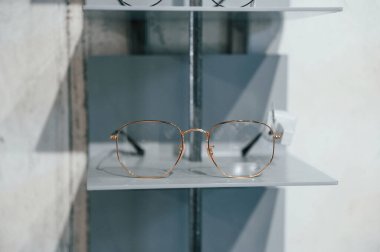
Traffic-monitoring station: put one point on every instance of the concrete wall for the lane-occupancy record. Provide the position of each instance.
(39, 172)
(334, 88)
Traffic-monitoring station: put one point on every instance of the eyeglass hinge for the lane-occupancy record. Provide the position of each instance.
(278, 135)
(114, 135)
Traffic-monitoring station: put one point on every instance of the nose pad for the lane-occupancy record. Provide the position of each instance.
(181, 149)
(210, 151)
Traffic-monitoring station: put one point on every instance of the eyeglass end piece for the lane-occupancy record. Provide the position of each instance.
(113, 136)
(278, 135)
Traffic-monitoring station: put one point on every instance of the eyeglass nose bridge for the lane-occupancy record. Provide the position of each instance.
(195, 130)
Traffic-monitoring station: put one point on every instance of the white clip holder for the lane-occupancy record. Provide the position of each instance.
(283, 122)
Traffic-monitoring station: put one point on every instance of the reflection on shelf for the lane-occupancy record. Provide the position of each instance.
(105, 173)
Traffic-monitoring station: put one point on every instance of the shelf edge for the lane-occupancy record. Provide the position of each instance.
(210, 9)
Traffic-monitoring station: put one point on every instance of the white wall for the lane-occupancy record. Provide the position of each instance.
(38, 180)
(334, 88)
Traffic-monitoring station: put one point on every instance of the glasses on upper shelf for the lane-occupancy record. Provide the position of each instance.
(139, 2)
(153, 148)
(240, 3)
(209, 3)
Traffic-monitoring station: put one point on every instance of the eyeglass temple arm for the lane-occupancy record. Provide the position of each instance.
(140, 151)
(218, 4)
(276, 136)
(122, 2)
(249, 146)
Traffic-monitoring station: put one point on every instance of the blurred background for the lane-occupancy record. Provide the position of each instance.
(55, 59)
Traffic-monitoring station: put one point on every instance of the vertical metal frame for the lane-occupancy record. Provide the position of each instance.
(195, 83)
(195, 80)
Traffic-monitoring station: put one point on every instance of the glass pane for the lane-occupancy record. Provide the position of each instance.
(149, 148)
(241, 148)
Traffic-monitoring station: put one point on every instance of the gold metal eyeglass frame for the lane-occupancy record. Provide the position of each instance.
(115, 137)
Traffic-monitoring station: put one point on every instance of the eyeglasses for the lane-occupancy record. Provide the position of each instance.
(153, 148)
(139, 2)
(223, 3)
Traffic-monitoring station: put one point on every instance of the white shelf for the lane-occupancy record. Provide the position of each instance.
(285, 170)
(212, 9)
(260, 6)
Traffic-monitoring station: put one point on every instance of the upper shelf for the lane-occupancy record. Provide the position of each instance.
(105, 173)
(326, 6)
